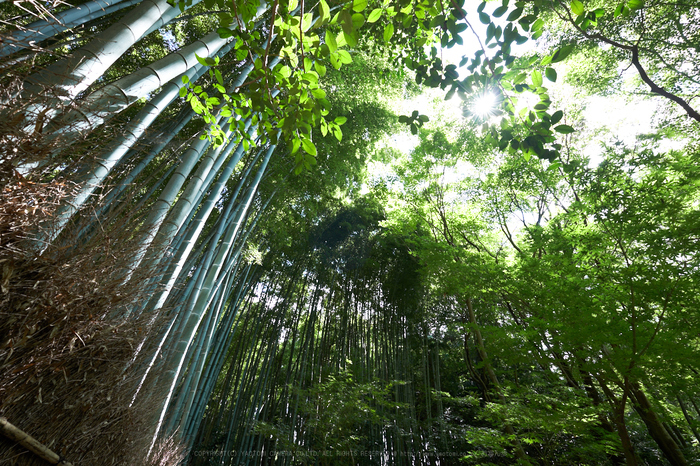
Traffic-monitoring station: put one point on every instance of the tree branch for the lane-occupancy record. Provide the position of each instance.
(692, 113)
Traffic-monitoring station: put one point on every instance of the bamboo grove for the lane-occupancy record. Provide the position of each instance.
(198, 267)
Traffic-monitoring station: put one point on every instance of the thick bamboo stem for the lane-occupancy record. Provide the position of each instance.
(30, 443)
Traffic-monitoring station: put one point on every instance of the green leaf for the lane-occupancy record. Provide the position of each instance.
(350, 39)
(359, 5)
(556, 117)
(330, 41)
(340, 120)
(325, 11)
(358, 20)
(515, 14)
(635, 4)
(183, 91)
(308, 146)
(285, 71)
(562, 53)
(388, 32)
(320, 68)
(564, 129)
(484, 18)
(291, 6)
(577, 7)
(346, 21)
(311, 77)
(500, 11)
(344, 56)
(202, 61)
(537, 78)
(335, 61)
(551, 74)
(375, 15)
(340, 39)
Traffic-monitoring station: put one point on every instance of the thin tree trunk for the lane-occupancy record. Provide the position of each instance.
(656, 429)
(519, 452)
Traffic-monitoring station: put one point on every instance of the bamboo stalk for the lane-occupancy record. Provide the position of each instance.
(30, 443)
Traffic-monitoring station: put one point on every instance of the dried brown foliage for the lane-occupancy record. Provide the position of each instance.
(69, 364)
